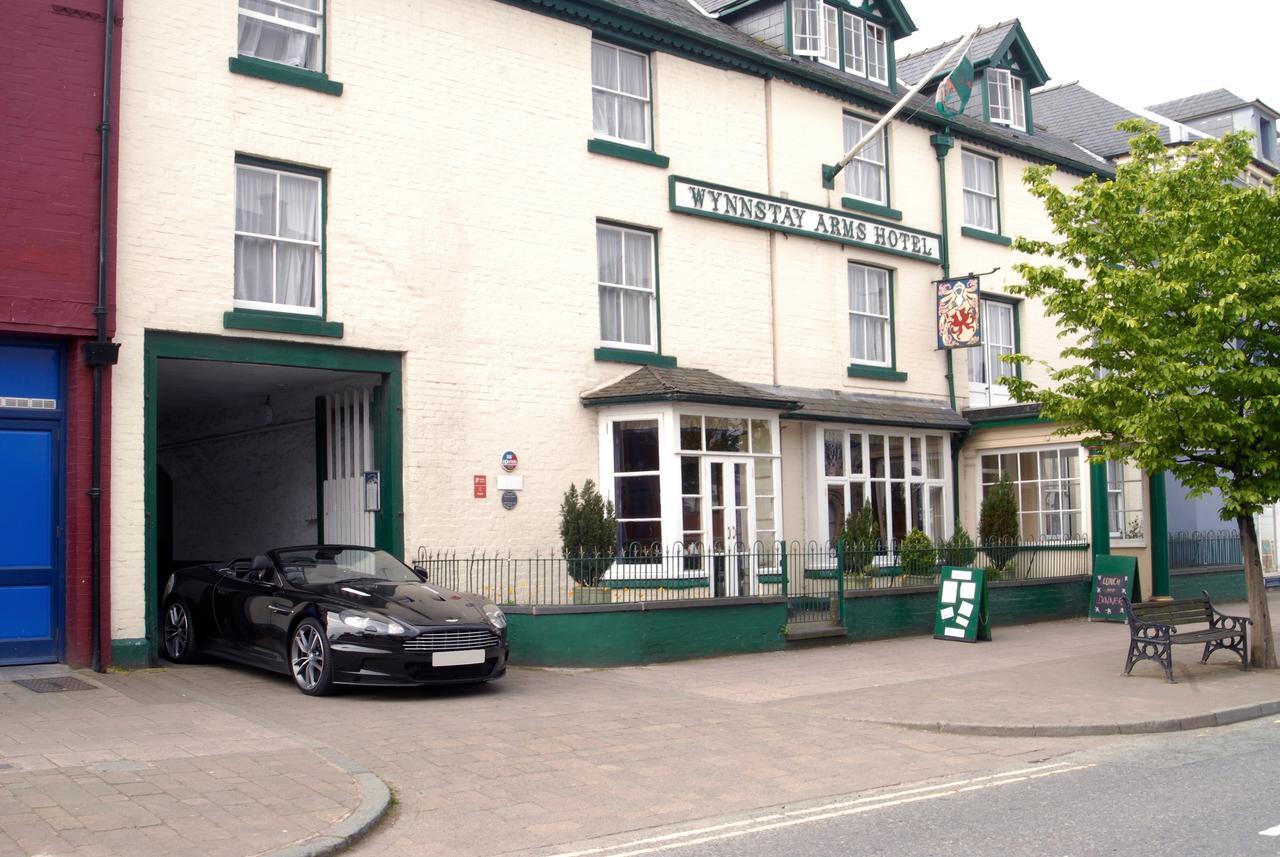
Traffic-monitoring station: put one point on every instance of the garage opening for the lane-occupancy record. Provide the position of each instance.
(253, 456)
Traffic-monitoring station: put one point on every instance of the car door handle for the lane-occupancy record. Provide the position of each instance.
(279, 608)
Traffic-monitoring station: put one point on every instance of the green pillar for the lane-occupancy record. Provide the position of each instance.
(1099, 523)
(1159, 535)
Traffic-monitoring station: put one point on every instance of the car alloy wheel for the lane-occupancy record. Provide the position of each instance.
(179, 635)
(309, 658)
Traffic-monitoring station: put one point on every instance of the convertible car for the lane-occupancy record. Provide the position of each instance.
(333, 614)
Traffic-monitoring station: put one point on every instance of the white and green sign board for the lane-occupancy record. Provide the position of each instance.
(746, 208)
(962, 606)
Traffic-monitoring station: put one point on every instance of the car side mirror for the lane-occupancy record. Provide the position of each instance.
(421, 571)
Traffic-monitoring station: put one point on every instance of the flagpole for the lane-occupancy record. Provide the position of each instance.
(829, 173)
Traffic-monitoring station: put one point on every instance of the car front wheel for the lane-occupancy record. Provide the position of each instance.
(179, 633)
(310, 659)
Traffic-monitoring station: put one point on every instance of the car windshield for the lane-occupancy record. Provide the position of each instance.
(319, 566)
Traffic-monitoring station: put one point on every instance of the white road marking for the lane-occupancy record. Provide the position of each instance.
(1270, 831)
(790, 818)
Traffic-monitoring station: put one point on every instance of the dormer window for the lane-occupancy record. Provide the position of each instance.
(877, 53)
(816, 31)
(1005, 99)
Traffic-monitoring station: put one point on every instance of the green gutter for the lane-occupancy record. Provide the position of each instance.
(942, 144)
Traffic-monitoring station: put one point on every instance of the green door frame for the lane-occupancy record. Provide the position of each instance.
(388, 427)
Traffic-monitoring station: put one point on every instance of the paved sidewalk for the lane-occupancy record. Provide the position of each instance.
(222, 760)
(116, 769)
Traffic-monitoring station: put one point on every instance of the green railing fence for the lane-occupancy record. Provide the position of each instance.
(814, 576)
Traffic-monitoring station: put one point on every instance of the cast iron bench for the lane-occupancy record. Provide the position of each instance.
(1153, 631)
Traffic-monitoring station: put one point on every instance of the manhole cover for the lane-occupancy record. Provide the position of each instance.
(53, 685)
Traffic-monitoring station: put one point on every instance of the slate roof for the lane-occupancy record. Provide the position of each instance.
(978, 416)
(912, 67)
(1086, 118)
(681, 15)
(840, 406)
(1195, 106)
(663, 384)
(716, 6)
(675, 384)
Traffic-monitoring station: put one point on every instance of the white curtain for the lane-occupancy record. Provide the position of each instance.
(278, 42)
(864, 176)
(296, 263)
(625, 258)
(980, 192)
(623, 116)
(255, 212)
(609, 270)
(604, 73)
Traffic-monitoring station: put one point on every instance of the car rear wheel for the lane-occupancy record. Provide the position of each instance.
(179, 633)
(310, 659)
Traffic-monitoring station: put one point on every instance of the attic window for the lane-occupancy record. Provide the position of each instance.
(877, 53)
(808, 28)
(1005, 99)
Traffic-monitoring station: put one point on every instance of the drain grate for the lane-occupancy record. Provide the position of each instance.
(55, 685)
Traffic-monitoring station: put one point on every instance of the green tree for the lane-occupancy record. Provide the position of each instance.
(1165, 284)
(588, 533)
(998, 523)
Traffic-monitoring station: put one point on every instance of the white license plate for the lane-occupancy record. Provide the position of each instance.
(457, 659)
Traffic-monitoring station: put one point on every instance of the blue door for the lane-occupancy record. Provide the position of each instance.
(31, 564)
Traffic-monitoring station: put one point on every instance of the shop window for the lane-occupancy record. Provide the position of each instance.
(1047, 484)
(1124, 501)
(902, 476)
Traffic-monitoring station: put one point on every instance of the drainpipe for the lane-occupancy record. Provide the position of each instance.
(101, 351)
(942, 144)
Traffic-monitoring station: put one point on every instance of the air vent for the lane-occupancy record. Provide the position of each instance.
(23, 403)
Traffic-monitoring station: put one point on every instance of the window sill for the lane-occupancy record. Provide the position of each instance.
(274, 71)
(280, 322)
(870, 208)
(1117, 542)
(627, 153)
(642, 358)
(879, 373)
(983, 235)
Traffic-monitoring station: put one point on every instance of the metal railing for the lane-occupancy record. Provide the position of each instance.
(1204, 549)
(810, 574)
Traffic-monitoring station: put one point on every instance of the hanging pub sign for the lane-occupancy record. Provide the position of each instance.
(959, 322)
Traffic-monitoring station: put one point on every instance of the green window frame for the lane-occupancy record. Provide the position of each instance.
(619, 286)
(253, 315)
(873, 351)
(306, 70)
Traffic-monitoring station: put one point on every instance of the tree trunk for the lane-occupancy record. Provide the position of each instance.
(1262, 645)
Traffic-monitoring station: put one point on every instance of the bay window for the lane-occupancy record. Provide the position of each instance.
(637, 487)
(901, 474)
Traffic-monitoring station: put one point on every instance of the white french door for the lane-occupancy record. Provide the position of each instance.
(728, 513)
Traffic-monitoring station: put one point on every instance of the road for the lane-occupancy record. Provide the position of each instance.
(1186, 794)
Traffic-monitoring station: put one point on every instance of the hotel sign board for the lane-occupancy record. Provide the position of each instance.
(746, 208)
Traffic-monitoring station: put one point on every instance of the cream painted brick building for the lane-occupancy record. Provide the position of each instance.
(457, 277)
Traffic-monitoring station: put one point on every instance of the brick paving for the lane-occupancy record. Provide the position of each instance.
(218, 759)
(134, 768)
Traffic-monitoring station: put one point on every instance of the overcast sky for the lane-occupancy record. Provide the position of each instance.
(1134, 52)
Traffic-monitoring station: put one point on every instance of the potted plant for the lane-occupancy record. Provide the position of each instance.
(998, 525)
(917, 556)
(588, 536)
(861, 538)
(959, 549)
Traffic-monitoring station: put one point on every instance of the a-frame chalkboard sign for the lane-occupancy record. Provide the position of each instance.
(1114, 578)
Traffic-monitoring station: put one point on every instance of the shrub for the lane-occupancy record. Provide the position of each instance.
(861, 537)
(998, 523)
(917, 554)
(959, 550)
(588, 533)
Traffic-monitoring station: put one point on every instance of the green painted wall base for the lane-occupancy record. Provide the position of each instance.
(131, 653)
(876, 614)
(1223, 585)
(618, 634)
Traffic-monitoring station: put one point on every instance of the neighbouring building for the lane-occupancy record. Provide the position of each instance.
(56, 284)
(368, 249)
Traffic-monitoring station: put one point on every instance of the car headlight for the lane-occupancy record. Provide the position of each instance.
(495, 616)
(371, 624)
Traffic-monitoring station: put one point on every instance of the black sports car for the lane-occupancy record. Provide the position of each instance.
(334, 614)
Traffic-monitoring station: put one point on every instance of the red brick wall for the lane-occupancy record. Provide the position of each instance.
(50, 108)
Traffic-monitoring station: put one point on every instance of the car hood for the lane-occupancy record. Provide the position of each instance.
(409, 603)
